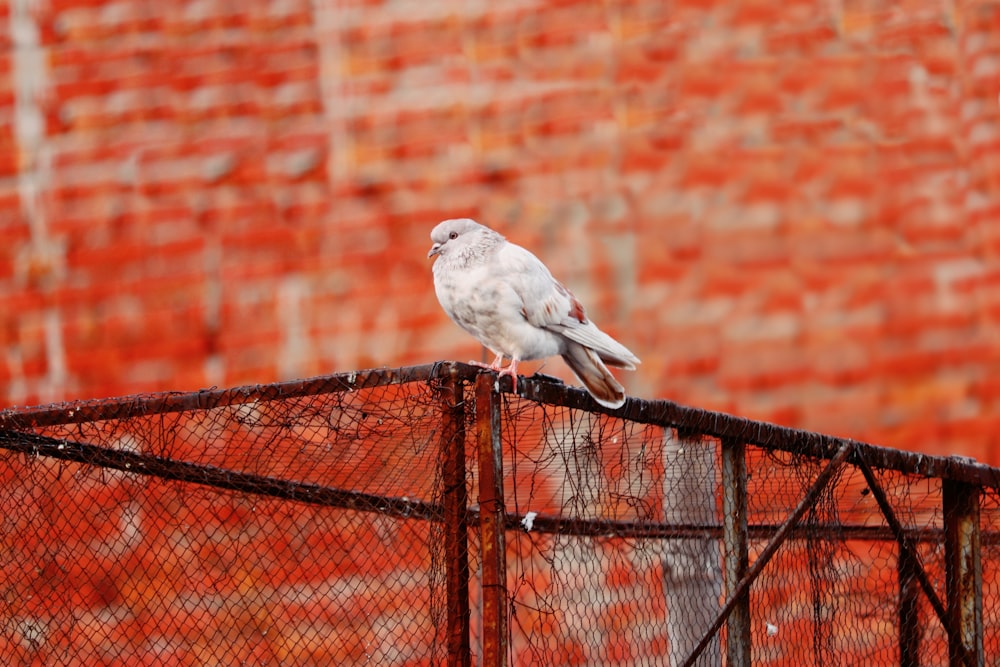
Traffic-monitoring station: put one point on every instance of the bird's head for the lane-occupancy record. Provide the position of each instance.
(457, 237)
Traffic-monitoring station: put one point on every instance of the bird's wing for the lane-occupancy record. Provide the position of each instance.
(547, 304)
(544, 301)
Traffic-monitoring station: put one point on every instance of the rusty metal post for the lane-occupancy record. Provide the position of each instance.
(963, 574)
(735, 549)
(455, 505)
(491, 522)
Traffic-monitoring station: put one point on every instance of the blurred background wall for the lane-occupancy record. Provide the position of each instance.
(788, 209)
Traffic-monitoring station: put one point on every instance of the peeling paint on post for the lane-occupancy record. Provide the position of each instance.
(492, 521)
(736, 552)
(963, 574)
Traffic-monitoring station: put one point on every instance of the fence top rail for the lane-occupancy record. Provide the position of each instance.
(139, 405)
(542, 389)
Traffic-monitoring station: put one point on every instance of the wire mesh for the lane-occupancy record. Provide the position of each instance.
(990, 513)
(627, 565)
(111, 567)
(311, 524)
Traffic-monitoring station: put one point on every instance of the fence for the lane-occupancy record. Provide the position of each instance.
(421, 516)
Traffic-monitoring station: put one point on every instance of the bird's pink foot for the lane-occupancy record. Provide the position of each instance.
(498, 367)
(495, 366)
(511, 370)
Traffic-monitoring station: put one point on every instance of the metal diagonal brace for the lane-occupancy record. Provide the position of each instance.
(152, 465)
(772, 547)
(905, 544)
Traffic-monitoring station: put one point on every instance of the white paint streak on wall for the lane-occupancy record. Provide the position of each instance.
(44, 258)
(293, 357)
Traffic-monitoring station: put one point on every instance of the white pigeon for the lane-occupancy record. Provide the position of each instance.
(505, 297)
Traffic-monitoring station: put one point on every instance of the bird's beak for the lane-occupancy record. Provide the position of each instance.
(435, 249)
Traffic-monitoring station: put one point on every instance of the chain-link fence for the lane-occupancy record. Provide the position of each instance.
(419, 516)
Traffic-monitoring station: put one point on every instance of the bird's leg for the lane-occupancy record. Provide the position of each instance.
(511, 370)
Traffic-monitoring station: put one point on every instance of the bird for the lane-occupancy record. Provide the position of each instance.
(506, 297)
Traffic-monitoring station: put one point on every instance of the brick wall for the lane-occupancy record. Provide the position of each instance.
(788, 210)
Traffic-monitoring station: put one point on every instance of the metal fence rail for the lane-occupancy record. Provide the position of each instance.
(426, 515)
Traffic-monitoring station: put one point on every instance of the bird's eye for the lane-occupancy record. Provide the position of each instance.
(453, 235)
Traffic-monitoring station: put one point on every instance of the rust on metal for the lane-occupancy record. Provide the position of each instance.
(492, 522)
(455, 511)
(963, 574)
(138, 405)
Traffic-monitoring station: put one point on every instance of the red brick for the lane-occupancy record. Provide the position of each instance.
(761, 370)
(758, 12)
(806, 38)
(707, 80)
(911, 31)
(705, 171)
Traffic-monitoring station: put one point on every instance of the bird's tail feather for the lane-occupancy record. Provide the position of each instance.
(607, 348)
(594, 375)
